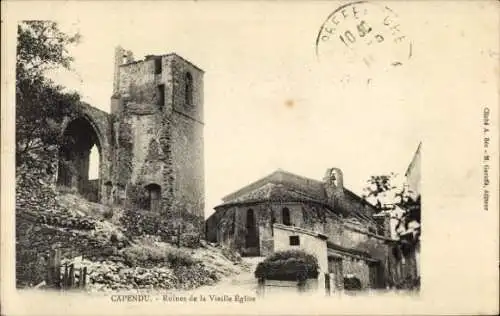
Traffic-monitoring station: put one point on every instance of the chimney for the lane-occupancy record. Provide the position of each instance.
(334, 184)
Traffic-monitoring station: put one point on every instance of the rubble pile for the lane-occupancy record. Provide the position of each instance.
(110, 276)
(47, 219)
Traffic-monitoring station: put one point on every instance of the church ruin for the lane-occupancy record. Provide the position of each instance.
(150, 145)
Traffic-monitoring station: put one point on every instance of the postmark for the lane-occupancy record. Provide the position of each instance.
(363, 33)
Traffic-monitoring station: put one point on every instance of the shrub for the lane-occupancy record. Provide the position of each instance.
(113, 238)
(178, 257)
(150, 255)
(291, 265)
(190, 240)
(108, 214)
(143, 255)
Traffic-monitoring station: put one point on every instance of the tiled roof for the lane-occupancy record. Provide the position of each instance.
(283, 186)
(273, 192)
(292, 183)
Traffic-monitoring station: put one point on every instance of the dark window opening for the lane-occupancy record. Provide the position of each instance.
(158, 66)
(285, 214)
(153, 196)
(251, 240)
(294, 241)
(188, 89)
(161, 95)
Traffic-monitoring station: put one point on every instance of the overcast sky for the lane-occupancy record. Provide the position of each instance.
(269, 102)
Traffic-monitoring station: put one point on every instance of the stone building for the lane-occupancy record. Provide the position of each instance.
(357, 243)
(150, 145)
(405, 227)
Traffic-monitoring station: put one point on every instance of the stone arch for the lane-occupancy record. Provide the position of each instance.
(153, 197)
(79, 133)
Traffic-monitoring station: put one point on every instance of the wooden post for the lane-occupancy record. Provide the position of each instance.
(71, 278)
(84, 277)
(80, 277)
(65, 277)
(327, 284)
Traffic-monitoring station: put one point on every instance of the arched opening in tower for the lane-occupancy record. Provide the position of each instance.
(153, 198)
(79, 157)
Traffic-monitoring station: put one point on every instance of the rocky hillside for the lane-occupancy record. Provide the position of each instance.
(91, 235)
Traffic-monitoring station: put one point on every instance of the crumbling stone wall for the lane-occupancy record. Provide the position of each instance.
(100, 123)
(160, 137)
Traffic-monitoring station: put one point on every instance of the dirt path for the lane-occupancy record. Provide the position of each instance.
(242, 283)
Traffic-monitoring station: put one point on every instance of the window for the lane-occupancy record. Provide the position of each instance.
(161, 95)
(188, 89)
(158, 65)
(285, 214)
(294, 241)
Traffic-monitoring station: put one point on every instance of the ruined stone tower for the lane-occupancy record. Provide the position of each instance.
(156, 154)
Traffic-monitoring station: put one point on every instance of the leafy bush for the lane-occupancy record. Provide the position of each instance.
(179, 258)
(148, 256)
(108, 214)
(190, 240)
(290, 265)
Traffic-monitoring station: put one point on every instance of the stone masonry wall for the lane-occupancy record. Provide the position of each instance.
(305, 215)
(160, 142)
(187, 135)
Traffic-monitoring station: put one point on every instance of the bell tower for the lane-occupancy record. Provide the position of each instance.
(157, 107)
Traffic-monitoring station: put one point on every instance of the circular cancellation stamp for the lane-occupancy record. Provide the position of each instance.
(363, 32)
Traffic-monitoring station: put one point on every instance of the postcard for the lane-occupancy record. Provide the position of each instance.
(250, 157)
